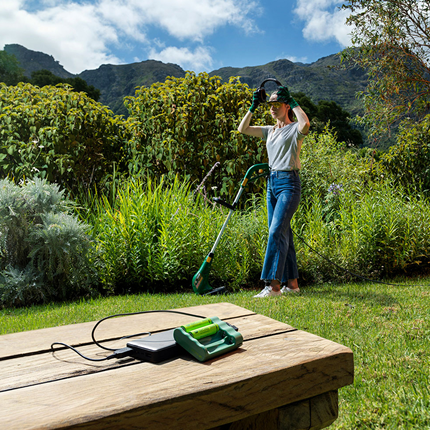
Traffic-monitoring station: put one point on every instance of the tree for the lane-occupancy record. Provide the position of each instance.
(391, 40)
(10, 72)
(329, 112)
(41, 78)
(188, 125)
(44, 77)
(58, 134)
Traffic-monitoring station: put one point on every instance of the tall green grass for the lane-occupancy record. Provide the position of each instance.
(378, 233)
(154, 237)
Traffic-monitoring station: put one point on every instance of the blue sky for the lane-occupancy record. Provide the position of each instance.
(199, 35)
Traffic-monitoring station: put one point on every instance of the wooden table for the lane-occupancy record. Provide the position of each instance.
(280, 378)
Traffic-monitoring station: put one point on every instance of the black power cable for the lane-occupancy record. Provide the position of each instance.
(134, 313)
(77, 352)
(122, 352)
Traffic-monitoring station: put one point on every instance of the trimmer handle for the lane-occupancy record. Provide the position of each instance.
(261, 169)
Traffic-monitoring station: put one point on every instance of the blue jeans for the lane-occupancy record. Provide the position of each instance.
(283, 197)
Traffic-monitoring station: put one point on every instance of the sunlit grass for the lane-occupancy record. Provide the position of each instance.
(386, 326)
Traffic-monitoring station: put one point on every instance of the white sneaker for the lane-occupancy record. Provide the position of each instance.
(268, 292)
(289, 290)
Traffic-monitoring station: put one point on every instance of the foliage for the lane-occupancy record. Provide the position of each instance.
(332, 203)
(408, 162)
(10, 72)
(57, 134)
(326, 161)
(391, 39)
(155, 237)
(352, 213)
(187, 125)
(44, 249)
(41, 78)
(376, 233)
(329, 112)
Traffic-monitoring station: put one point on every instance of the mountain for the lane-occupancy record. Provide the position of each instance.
(116, 82)
(321, 80)
(31, 61)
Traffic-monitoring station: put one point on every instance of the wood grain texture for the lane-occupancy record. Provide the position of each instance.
(275, 366)
(264, 374)
(64, 363)
(30, 342)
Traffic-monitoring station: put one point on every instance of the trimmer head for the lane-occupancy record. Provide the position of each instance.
(200, 281)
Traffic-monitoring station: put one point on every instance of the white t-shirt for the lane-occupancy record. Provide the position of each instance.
(283, 146)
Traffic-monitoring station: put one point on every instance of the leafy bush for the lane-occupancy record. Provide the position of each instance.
(326, 161)
(57, 134)
(408, 162)
(44, 249)
(186, 125)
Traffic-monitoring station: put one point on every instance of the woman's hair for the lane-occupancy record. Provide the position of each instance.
(291, 115)
(290, 112)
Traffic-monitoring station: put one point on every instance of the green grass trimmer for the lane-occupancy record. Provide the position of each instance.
(200, 280)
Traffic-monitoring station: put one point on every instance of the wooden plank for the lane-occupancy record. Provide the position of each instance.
(264, 374)
(324, 410)
(310, 414)
(29, 342)
(38, 368)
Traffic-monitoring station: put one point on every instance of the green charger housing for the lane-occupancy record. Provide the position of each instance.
(226, 339)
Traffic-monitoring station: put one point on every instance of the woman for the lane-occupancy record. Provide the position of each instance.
(283, 143)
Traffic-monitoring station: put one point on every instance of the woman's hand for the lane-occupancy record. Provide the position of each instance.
(255, 102)
(285, 96)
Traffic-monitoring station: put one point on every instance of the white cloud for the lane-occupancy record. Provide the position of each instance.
(295, 59)
(324, 21)
(199, 59)
(195, 19)
(81, 34)
(71, 33)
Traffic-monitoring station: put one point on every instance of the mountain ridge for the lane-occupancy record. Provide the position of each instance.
(323, 79)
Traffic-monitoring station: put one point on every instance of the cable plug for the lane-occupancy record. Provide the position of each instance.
(120, 353)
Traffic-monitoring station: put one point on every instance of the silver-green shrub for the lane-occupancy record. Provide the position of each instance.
(44, 248)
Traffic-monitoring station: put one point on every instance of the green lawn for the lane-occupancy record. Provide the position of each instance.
(387, 327)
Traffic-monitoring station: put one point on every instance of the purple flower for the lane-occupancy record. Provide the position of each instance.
(335, 188)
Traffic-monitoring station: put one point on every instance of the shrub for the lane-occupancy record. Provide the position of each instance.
(185, 126)
(326, 161)
(59, 135)
(408, 162)
(44, 248)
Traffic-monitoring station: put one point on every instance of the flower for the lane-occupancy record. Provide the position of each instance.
(335, 188)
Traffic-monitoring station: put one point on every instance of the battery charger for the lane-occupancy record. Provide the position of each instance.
(155, 348)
